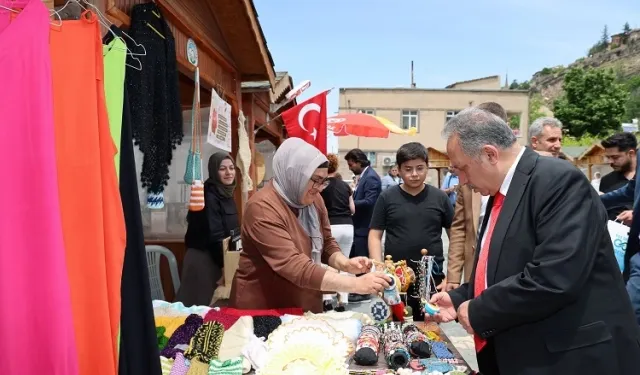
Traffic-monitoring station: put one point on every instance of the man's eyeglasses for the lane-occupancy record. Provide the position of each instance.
(319, 182)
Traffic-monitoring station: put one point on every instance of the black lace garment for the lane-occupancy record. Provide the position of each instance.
(154, 95)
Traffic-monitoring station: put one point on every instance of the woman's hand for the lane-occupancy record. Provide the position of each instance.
(357, 265)
(371, 283)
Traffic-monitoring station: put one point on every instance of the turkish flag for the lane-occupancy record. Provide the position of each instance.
(308, 121)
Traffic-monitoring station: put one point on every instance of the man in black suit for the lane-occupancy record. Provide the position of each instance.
(546, 296)
(365, 195)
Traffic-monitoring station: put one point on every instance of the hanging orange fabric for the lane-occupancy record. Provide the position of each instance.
(91, 209)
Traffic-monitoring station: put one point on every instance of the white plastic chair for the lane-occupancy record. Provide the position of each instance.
(154, 252)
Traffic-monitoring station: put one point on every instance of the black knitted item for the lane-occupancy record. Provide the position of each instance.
(264, 325)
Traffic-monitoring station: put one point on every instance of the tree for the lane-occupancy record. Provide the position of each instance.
(515, 85)
(604, 39)
(535, 107)
(592, 103)
(632, 107)
(626, 29)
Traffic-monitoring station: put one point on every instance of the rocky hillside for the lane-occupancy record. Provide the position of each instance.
(624, 58)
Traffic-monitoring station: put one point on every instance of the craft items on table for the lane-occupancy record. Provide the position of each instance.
(401, 278)
(182, 336)
(416, 341)
(235, 339)
(395, 350)
(380, 311)
(162, 339)
(165, 365)
(196, 367)
(256, 352)
(440, 350)
(205, 343)
(264, 325)
(180, 366)
(347, 323)
(216, 314)
(431, 365)
(228, 367)
(368, 346)
(426, 283)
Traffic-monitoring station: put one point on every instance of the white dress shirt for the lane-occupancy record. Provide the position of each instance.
(504, 189)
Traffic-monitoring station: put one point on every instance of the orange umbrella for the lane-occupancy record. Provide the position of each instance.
(363, 125)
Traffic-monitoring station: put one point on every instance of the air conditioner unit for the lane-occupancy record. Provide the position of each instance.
(388, 161)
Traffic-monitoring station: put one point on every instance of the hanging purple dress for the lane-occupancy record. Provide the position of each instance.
(35, 307)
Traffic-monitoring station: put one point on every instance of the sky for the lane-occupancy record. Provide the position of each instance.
(371, 43)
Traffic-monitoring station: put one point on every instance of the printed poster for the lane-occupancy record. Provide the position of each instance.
(219, 131)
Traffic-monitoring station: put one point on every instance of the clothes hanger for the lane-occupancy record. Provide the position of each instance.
(11, 9)
(107, 21)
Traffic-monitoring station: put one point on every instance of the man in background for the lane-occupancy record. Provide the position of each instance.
(469, 212)
(545, 134)
(450, 186)
(620, 149)
(365, 195)
(391, 178)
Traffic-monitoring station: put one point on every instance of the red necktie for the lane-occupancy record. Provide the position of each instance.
(480, 280)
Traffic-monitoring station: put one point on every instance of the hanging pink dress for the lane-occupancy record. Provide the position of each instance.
(35, 308)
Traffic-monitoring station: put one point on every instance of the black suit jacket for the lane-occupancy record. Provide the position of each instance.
(364, 198)
(555, 302)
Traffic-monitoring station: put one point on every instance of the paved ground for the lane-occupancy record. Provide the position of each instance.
(458, 336)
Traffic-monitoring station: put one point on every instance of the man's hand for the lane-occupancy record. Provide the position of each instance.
(447, 312)
(625, 217)
(371, 283)
(451, 286)
(357, 265)
(463, 317)
(442, 285)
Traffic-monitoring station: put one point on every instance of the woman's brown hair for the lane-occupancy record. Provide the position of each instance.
(333, 162)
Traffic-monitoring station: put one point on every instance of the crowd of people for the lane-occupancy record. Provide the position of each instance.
(531, 271)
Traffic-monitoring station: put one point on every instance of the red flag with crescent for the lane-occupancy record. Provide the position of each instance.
(308, 121)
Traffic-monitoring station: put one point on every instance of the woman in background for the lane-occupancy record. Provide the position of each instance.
(391, 179)
(338, 198)
(202, 269)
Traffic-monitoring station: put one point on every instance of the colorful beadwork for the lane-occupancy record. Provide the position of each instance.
(440, 350)
(380, 311)
(368, 346)
(395, 350)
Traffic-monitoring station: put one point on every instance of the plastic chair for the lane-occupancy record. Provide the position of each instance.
(154, 252)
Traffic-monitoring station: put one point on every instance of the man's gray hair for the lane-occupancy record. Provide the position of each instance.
(476, 128)
(537, 127)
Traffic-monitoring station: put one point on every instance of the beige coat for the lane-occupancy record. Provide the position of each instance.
(463, 235)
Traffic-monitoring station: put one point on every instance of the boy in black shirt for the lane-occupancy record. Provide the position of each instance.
(413, 215)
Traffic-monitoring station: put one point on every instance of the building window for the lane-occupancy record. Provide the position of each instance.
(367, 111)
(450, 114)
(371, 155)
(409, 119)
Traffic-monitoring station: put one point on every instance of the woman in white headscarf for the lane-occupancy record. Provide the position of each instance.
(286, 236)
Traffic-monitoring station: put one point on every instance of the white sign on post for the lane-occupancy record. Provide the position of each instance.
(219, 130)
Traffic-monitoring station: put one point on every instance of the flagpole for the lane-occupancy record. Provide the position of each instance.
(280, 115)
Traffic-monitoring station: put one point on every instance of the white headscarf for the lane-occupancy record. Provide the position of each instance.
(293, 165)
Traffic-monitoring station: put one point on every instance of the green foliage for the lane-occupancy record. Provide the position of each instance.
(614, 46)
(602, 44)
(535, 107)
(585, 140)
(514, 122)
(626, 28)
(632, 106)
(515, 85)
(592, 103)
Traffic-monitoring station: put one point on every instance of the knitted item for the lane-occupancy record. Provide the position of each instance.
(198, 368)
(416, 341)
(264, 325)
(236, 338)
(256, 352)
(170, 323)
(380, 312)
(182, 335)
(227, 320)
(395, 351)
(155, 201)
(165, 365)
(205, 344)
(432, 364)
(162, 339)
(228, 367)
(270, 312)
(180, 366)
(368, 346)
(391, 297)
(440, 350)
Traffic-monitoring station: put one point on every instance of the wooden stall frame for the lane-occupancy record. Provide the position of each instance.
(594, 155)
(438, 160)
